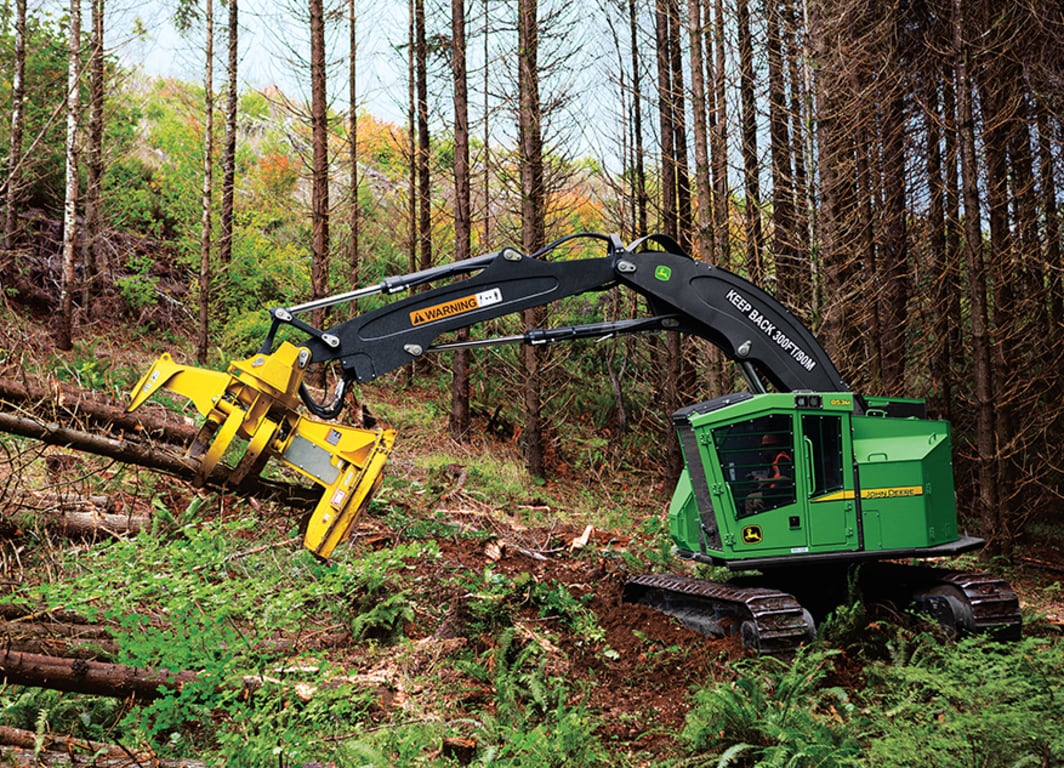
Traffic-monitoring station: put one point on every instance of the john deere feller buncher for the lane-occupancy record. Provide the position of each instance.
(805, 485)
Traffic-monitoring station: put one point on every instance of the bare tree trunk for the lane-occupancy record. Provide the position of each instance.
(533, 206)
(987, 490)
(669, 219)
(751, 169)
(718, 141)
(12, 181)
(785, 240)
(151, 456)
(894, 264)
(954, 256)
(91, 244)
(460, 417)
(802, 283)
(640, 182)
(354, 265)
(941, 268)
(225, 239)
(836, 159)
(65, 320)
(424, 193)
(703, 240)
(1051, 216)
(487, 127)
(204, 300)
(411, 142)
(58, 402)
(63, 750)
(319, 121)
(679, 111)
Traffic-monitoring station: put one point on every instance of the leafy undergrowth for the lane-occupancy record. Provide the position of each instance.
(473, 617)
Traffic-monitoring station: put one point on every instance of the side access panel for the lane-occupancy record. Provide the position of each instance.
(906, 479)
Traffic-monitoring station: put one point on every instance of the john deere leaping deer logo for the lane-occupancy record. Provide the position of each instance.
(752, 534)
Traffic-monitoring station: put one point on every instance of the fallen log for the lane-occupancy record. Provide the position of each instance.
(20, 737)
(85, 676)
(72, 515)
(154, 457)
(67, 402)
(89, 522)
(75, 641)
(66, 751)
(60, 500)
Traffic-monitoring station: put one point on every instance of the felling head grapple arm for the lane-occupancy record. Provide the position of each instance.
(256, 400)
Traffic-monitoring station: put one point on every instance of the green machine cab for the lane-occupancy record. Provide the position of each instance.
(854, 485)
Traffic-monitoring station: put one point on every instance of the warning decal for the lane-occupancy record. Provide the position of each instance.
(455, 307)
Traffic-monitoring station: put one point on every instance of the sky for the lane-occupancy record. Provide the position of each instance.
(272, 41)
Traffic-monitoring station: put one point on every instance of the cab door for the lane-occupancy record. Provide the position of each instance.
(762, 487)
(826, 479)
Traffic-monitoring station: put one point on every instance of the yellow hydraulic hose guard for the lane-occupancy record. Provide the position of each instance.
(256, 401)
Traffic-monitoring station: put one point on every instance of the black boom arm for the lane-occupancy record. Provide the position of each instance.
(747, 324)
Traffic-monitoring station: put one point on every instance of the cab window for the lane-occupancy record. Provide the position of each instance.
(757, 462)
(823, 436)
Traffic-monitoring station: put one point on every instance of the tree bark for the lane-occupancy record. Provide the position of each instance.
(703, 239)
(679, 124)
(639, 198)
(987, 491)
(94, 170)
(784, 240)
(203, 301)
(64, 402)
(225, 235)
(894, 272)
(85, 676)
(354, 265)
(73, 641)
(319, 121)
(751, 169)
(533, 224)
(19, 747)
(669, 219)
(14, 158)
(424, 149)
(64, 338)
(718, 142)
(1051, 216)
(459, 424)
(73, 518)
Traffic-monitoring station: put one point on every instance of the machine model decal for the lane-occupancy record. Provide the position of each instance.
(875, 493)
(752, 534)
(455, 307)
